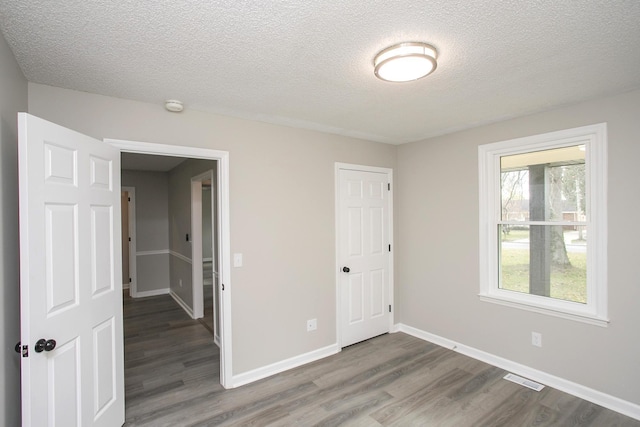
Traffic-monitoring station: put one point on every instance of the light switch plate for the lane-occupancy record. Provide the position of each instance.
(536, 339)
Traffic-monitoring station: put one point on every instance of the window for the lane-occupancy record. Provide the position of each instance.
(543, 223)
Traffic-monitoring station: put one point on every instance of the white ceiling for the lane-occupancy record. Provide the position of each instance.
(309, 63)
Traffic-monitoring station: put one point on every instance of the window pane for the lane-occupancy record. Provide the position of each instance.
(546, 260)
(546, 185)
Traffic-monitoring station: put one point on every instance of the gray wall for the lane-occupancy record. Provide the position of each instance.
(180, 216)
(152, 208)
(281, 207)
(13, 98)
(152, 227)
(437, 260)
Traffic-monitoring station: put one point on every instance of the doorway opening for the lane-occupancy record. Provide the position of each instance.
(220, 181)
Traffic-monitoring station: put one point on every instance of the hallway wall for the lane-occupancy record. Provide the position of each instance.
(152, 228)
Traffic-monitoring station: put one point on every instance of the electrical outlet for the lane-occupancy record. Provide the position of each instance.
(237, 260)
(312, 325)
(536, 339)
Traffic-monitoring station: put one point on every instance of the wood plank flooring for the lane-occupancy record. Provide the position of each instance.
(207, 320)
(171, 375)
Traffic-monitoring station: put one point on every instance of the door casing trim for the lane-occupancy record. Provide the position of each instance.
(131, 211)
(224, 242)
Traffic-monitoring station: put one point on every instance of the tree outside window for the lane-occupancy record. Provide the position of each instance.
(543, 223)
(544, 259)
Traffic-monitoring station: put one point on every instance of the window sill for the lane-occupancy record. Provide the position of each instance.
(579, 317)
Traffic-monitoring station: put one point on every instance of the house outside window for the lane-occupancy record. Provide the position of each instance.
(543, 244)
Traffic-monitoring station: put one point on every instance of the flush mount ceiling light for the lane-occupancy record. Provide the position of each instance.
(405, 62)
(173, 105)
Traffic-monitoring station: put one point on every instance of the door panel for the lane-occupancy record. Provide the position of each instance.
(356, 299)
(70, 260)
(60, 165)
(377, 293)
(104, 348)
(363, 245)
(64, 396)
(376, 221)
(61, 266)
(354, 230)
(101, 250)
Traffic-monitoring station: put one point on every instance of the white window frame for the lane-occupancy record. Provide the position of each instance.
(594, 138)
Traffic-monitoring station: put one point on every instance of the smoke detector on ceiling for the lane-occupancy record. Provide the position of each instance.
(174, 105)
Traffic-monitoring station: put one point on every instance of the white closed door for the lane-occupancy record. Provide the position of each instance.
(363, 255)
(70, 278)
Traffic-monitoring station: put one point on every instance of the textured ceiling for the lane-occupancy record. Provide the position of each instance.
(309, 63)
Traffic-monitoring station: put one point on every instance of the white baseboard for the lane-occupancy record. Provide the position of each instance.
(284, 365)
(182, 304)
(152, 293)
(599, 398)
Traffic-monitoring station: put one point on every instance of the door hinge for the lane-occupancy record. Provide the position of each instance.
(129, 198)
(389, 186)
(223, 286)
(389, 308)
(25, 351)
(129, 279)
(389, 248)
(129, 238)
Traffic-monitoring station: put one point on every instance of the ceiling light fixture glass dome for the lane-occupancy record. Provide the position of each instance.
(405, 62)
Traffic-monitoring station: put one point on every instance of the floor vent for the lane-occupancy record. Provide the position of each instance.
(523, 381)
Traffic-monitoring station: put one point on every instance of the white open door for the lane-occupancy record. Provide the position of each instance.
(70, 278)
(364, 245)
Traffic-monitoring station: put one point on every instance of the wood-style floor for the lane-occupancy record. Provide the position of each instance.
(207, 320)
(171, 374)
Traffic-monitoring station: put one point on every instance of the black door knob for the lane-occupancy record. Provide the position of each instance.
(17, 347)
(44, 345)
(346, 269)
